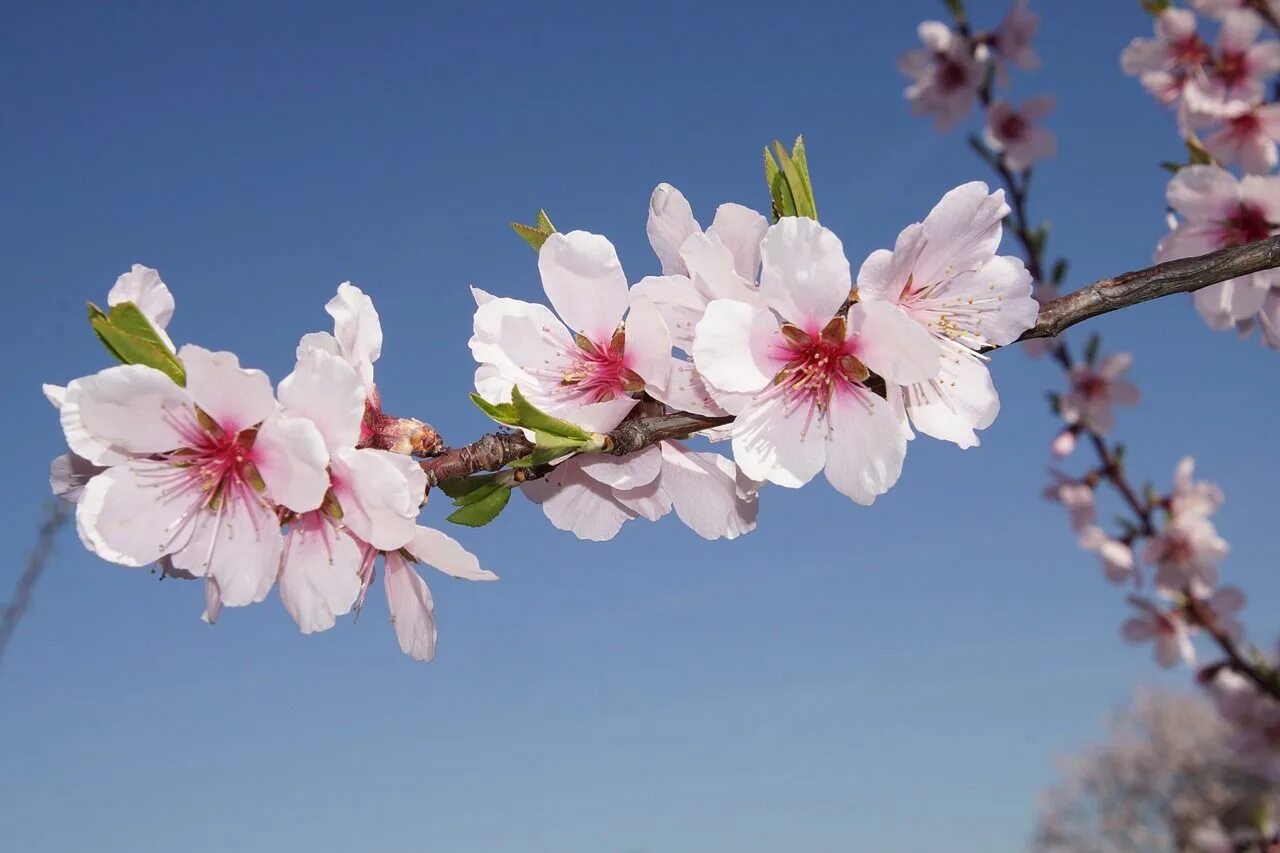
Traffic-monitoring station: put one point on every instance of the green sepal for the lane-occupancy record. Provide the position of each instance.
(129, 336)
(483, 510)
(535, 235)
(531, 417)
(503, 413)
(460, 487)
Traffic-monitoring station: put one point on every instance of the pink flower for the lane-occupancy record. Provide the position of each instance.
(943, 276)
(1237, 76)
(1186, 553)
(1013, 37)
(593, 495)
(1165, 627)
(1164, 65)
(1221, 8)
(1118, 562)
(197, 472)
(590, 376)
(1095, 390)
(1217, 211)
(1225, 602)
(793, 369)
(947, 76)
(1191, 497)
(1077, 496)
(1248, 138)
(1013, 132)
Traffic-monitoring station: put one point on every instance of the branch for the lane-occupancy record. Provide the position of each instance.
(491, 452)
(37, 561)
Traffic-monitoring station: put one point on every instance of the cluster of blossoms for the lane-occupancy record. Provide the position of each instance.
(1228, 118)
(760, 325)
(224, 479)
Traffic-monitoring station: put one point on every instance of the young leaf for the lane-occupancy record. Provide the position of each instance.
(459, 487)
(503, 413)
(544, 222)
(477, 495)
(483, 511)
(801, 160)
(535, 235)
(129, 336)
(1059, 273)
(531, 417)
(779, 192)
(801, 197)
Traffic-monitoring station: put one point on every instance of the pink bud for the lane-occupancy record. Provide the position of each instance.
(1063, 444)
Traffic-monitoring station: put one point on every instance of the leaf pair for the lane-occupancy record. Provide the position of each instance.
(129, 336)
(535, 235)
(789, 182)
(479, 499)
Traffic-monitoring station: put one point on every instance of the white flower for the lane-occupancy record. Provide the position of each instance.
(1166, 628)
(1095, 389)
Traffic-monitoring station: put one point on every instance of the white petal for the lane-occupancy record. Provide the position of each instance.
(623, 472)
(670, 223)
(704, 491)
(290, 455)
(805, 275)
(379, 502)
(1203, 192)
(574, 502)
(142, 286)
(585, 283)
(131, 407)
(239, 545)
(648, 345)
(125, 516)
(732, 346)
(412, 610)
(784, 447)
(326, 390)
(884, 274)
(212, 602)
(357, 328)
(235, 398)
(80, 440)
(998, 295)
(319, 573)
(68, 475)
(892, 344)
(679, 304)
(866, 446)
(649, 501)
(711, 267)
(686, 392)
(960, 400)
(322, 341)
(740, 229)
(445, 554)
(522, 340)
(963, 232)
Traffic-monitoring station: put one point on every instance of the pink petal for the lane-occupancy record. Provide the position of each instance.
(866, 445)
(960, 400)
(319, 573)
(963, 231)
(379, 494)
(123, 515)
(733, 346)
(622, 472)
(290, 455)
(142, 286)
(357, 328)
(740, 229)
(239, 545)
(774, 441)
(131, 408)
(235, 398)
(445, 554)
(1203, 193)
(703, 489)
(412, 610)
(679, 304)
(648, 345)
(584, 281)
(893, 345)
(327, 391)
(805, 274)
(574, 502)
(670, 223)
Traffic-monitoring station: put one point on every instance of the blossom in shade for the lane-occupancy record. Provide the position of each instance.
(593, 495)
(1077, 496)
(1193, 497)
(1221, 8)
(1248, 138)
(1218, 211)
(1237, 75)
(1013, 132)
(1166, 64)
(591, 375)
(794, 369)
(946, 75)
(1014, 35)
(944, 277)
(1095, 389)
(1186, 553)
(195, 473)
(1165, 628)
(1118, 562)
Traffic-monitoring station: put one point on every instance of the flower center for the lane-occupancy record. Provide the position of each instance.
(1248, 225)
(817, 367)
(1231, 68)
(1014, 127)
(1190, 51)
(951, 74)
(1245, 126)
(600, 373)
(1092, 386)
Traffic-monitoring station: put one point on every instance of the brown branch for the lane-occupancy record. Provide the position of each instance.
(37, 562)
(1199, 613)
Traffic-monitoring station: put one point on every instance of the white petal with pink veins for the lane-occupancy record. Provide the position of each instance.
(357, 328)
(574, 502)
(134, 408)
(78, 439)
(740, 229)
(1203, 193)
(412, 610)
(319, 573)
(670, 223)
(648, 345)
(622, 472)
(125, 516)
(378, 501)
(235, 398)
(327, 391)
(522, 339)
(891, 344)
(704, 491)
(239, 545)
(804, 274)
(585, 283)
(780, 442)
(963, 232)
(445, 554)
(884, 274)
(686, 391)
(290, 455)
(649, 501)
(733, 344)
(960, 400)
(866, 444)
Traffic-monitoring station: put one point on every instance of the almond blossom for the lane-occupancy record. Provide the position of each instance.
(1186, 553)
(1118, 562)
(1095, 389)
(1166, 64)
(1248, 138)
(194, 473)
(1013, 132)
(1166, 628)
(1193, 497)
(944, 276)
(589, 376)
(1077, 496)
(1218, 211)
(794, 369)
(947, 76)
(1014, 35)
(1221, 8)
(1237, 75)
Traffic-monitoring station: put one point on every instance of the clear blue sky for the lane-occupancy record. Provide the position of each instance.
(897, 678)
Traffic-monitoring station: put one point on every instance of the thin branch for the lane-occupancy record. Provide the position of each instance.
(37, 562)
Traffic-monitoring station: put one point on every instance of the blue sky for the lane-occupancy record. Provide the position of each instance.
(894, 678)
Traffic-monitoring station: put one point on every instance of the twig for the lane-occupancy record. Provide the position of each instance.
(37, 562)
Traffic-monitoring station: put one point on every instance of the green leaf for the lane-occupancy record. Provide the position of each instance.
(550, 441)
(535, 235)
(544, 222)
(1155, 7)
(129, 336)
(459, 487)
(779, 192)
(801, 195)
(1092, 347)
(483, 511)
(1199, 155)
(1171, 167)
(801, 161)
(503, 413)
(477, 495)
(956, 8)
(531, 417)
(1059, 273)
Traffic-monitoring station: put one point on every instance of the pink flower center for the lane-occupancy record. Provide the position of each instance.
(1092, 386)
(1190, 51)
(1013, 128)
(817, 367)
(599, 372)
(1231, 68)
(1245, 126)
(1248, 225)
(951, 75)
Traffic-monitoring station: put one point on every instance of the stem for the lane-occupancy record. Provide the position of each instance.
(37, 562)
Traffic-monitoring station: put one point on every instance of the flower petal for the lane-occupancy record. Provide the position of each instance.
(1203, 193)
(130, 407)
(142, 286)
(326, 390)
(866, 445)
(703, 489)
(779, 443)
(670, 223)
(239, 545)
(578, 504)
(357, 328)
(679, 304)
(960, 400)
(584, 281)
(68, 475)
(126, 516)
(648, 345)
(805, 275)
(235, 398)
(319, 573)
(290, 455)
(445, 554)
(412, 610)
(733, 345)
(893, 345)
(963, 231)
(379, 495)
(623, 472)
(740, 229)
